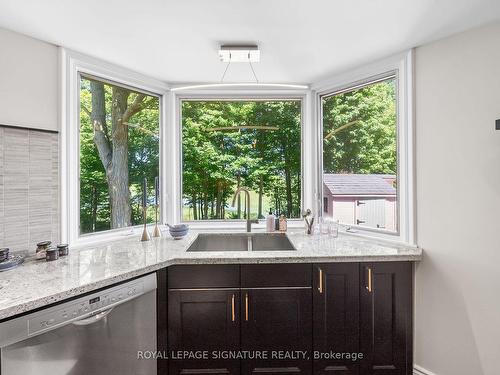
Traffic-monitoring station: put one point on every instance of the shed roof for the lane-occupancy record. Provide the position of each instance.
(359, 184)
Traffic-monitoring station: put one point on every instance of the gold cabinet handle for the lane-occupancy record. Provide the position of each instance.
(320, 284)
(233, 315)
(370, 277)
(246, 307)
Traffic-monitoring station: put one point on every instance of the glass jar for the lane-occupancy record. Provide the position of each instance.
(41, 249)
(63, 249)
(52, 253)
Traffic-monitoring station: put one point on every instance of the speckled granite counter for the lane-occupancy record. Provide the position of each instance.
(39, 283)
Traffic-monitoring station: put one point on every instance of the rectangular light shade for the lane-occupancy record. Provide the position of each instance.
(239, 54)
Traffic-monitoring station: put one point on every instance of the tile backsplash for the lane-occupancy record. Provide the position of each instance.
(29, 188)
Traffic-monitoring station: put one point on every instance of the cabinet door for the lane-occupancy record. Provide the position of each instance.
(203, 320)
(386, 326)
(161, 319)
(277, 322)
(335, 317)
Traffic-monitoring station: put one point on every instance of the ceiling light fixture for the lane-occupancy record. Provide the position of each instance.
(234, 54)
(240, 54)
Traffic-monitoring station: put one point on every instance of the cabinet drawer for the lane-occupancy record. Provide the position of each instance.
(275, 275)
(204, 276)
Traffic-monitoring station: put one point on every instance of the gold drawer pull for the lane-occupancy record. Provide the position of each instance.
(233, 315)
(320, 286)
(246, 307)
(370, 277)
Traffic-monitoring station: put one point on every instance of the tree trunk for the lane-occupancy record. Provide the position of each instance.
(218, 209)
(113, 149)
(261, 192)
(119, 179)
(205, 205)
(195, 210)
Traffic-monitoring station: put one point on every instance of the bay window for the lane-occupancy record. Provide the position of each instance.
(343, 148)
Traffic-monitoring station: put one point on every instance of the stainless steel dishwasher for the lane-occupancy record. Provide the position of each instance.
(100, 333)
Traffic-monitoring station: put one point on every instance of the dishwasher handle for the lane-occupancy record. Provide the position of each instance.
(93, 318)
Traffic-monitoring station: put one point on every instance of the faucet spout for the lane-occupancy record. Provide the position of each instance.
(247, 194)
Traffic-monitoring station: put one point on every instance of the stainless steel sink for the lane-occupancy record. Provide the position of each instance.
(241, 242)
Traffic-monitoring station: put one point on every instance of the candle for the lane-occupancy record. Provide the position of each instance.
(157, 190)
(145, 193)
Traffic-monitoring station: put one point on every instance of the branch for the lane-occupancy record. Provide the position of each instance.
(136, 106)
(102, 143)
(340, 128)
(86, 110)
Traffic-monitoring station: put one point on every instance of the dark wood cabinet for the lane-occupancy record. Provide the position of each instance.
(277, 322)
(203, 276)
(161, 319)
(386, 318)
(336, 317)
(288, 309)
(203, 321)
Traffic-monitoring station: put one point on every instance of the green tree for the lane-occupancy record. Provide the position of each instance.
(227, 144)
(359, 130)
(118, 148)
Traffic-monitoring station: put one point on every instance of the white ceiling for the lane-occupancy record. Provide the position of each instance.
(301, 41)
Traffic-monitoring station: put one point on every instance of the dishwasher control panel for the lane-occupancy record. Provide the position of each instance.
(85, 307)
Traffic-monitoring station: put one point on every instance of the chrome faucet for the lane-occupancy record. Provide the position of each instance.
(236, 193)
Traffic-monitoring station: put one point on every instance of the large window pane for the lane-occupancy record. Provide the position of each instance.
(226, 144)
(360, 156)
(119, 147)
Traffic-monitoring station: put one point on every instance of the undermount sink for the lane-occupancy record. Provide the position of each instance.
(241, 242)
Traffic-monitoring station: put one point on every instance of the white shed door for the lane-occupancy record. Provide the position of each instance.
(370, 212)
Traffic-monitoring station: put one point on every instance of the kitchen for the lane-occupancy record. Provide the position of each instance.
(280, 210)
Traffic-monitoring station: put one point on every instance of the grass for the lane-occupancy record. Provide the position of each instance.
(267, 203)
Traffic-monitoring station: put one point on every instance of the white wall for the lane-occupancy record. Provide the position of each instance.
(458, 204)
(28, 82)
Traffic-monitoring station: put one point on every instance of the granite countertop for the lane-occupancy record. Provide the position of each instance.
(38, 283)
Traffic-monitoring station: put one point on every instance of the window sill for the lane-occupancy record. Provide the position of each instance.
(293, 225)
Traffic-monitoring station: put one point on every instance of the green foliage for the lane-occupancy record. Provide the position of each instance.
(369, 145)
(216, 162)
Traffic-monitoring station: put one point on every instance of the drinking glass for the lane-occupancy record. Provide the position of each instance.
(333, 228)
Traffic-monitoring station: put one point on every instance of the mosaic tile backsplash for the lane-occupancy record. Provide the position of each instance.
(29, 188)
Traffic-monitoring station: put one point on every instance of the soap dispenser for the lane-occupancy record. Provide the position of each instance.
(282, 224)
(270, 222)
(276, 221)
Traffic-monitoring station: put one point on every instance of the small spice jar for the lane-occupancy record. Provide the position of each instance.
(63, 249)
(4, 253)
(52, 253)
(41, 248)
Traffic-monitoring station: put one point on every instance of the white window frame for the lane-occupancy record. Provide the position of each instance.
(174, 168)
(71, 65)
(402, 66)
